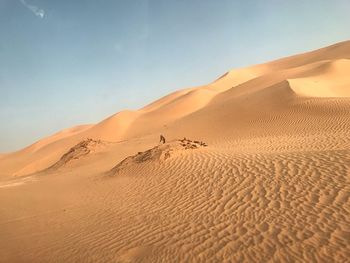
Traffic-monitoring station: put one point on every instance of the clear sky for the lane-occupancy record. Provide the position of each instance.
(70, 62)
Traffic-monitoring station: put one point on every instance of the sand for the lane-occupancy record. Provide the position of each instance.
(262, 176)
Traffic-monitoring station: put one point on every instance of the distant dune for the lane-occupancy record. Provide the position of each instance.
(262, 175)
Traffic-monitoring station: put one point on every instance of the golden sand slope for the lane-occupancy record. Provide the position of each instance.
(273, 184)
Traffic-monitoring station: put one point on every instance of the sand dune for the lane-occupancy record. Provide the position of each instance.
(332, 81)
(56, 137)
(334, 52)
(270, 184)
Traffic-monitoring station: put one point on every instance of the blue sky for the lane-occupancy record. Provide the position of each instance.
(64, 63)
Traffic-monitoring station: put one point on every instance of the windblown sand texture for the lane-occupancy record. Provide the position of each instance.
(267, 180)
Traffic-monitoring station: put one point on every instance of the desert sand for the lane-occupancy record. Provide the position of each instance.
(255, 168)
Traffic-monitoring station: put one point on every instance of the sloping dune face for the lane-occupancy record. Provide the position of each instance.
(331, 80)
(262, 175)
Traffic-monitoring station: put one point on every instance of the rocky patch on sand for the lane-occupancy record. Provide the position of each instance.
(158, 153)
(78, 151)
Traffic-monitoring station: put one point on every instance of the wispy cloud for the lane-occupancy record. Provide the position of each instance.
(34, 9)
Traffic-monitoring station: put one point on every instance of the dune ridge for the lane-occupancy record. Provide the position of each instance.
(271, 183)
(321, 73)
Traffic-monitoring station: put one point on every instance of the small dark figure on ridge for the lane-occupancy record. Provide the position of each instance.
(162, 139)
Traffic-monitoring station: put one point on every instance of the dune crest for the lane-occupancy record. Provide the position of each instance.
(333, 81)
(56, 137)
